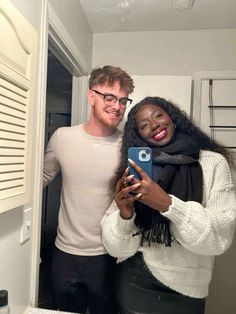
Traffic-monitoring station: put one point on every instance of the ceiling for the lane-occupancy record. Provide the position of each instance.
(156, 15)
(106, 16)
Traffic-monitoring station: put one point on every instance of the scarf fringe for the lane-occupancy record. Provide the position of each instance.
(159, 233)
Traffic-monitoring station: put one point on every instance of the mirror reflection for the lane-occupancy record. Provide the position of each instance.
(180, 51)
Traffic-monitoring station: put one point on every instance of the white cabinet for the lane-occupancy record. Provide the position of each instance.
(17, 65)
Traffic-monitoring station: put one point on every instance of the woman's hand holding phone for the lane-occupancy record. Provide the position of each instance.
(150, 193)
(128, 190)
(123, 197)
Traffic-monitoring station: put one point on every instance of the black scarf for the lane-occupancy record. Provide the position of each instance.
(177, 170)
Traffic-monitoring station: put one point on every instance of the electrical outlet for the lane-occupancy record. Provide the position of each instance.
(26, 225)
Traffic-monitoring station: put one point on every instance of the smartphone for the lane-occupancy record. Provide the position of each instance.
(143, 157)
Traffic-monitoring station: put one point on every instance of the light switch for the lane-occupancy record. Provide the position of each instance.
(26, 225)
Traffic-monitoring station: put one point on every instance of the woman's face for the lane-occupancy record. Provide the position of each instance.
(154, 125)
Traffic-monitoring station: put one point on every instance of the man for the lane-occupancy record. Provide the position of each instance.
(87, 156)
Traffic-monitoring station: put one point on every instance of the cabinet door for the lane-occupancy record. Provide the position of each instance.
(17, 62)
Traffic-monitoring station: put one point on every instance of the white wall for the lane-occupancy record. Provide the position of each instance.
(71, 15)
(167, 52)
(15, 258)
(15, 261)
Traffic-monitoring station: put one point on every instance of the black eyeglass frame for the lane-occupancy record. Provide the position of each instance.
(116, 98)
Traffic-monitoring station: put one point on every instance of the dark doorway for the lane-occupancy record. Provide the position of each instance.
(58, 114)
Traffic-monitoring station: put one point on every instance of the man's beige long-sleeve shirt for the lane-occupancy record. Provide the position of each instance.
(87, 164)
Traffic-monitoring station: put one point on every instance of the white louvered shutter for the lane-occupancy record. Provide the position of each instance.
(17, 58)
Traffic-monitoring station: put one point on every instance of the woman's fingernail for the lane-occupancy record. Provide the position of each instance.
(136, 185)
(131, 161)
(139, 195)
(130, 177)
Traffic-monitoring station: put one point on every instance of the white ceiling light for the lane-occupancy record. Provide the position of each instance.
(182, 4)
(123, 4)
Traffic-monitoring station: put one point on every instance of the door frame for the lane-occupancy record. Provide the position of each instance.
(52, 35)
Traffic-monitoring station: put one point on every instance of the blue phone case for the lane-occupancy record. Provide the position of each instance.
(143, 157)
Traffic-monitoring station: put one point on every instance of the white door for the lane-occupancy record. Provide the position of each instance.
(17, 63)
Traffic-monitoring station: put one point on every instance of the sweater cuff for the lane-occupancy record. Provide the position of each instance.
(179, 211)
(125, 226)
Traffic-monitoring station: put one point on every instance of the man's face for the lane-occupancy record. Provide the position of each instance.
(108, 110)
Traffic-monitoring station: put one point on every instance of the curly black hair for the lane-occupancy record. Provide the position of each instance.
(183, 123)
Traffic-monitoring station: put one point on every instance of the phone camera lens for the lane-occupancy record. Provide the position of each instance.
(143, 155)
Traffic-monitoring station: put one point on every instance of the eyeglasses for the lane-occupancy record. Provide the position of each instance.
(110, 99)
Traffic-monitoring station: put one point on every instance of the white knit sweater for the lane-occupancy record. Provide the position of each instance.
(200, 232)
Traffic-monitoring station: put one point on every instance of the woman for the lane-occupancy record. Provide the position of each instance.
(166, 230)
